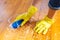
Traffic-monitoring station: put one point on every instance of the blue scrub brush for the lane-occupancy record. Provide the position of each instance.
(16, 24)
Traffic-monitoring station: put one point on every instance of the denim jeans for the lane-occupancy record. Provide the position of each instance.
(54, 4)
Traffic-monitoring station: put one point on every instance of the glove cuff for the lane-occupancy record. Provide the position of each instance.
(31, 11)
(49, 20)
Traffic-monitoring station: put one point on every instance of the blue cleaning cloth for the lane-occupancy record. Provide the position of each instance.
(16, 24)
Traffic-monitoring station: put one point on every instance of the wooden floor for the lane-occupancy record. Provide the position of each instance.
(10, 8)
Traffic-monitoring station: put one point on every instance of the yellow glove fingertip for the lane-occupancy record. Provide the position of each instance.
(41, 30)
(23, 22)
(35, 27)
(45, 31)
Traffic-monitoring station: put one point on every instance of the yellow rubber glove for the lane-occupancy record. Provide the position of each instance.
(26, 16)
(43, 25)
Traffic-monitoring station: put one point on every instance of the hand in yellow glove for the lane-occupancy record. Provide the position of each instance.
(43, 25)
(22, 19)
(26, 16)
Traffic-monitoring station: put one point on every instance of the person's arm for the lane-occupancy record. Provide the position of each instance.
(51, 13)
(53, 6)
(36, 2)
